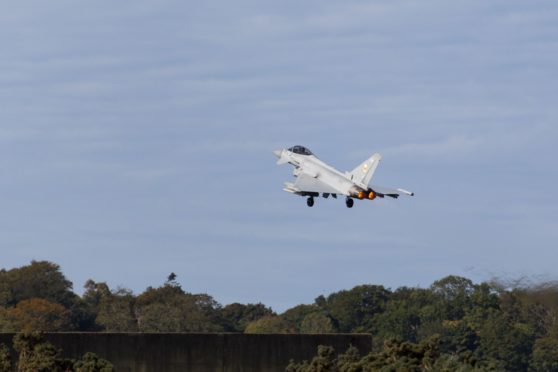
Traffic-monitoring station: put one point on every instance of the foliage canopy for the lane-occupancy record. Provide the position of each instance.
(454, 324)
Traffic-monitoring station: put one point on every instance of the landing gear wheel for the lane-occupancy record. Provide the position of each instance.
(310, 201)
(349, 202)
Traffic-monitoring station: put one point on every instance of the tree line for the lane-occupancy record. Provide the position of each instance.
(486, 325)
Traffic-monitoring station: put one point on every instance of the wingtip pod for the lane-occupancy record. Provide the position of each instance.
(406, 192)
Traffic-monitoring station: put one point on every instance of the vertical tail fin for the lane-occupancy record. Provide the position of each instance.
(364, 172)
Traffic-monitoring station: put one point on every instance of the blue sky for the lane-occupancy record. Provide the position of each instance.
(136, 139)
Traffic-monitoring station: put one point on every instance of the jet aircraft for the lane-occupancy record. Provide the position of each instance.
(314, 177)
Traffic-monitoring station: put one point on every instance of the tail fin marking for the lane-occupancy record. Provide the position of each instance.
(365, 171)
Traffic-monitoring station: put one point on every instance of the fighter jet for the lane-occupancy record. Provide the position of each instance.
(314, 177)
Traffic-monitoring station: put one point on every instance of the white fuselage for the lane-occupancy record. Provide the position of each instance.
(318, 169)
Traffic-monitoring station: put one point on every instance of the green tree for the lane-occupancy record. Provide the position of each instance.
(295, 315)
(159, 317)
(455, 294)
(545, 355)
(171, 280)
(5, 359)
(400, 320)
(116, 312)
(210, 309)
(90, 362)
(169, 309)
(40, 279)
(269, 324)
(235, 317)
(324, 361)
(6, 322)
(38, 355)
(349, 361)
(354, 310)
(395, 356)
(503, 340)
(316, 323)
(94, 294)
(460, 340)
(86, 309)
(35, 355)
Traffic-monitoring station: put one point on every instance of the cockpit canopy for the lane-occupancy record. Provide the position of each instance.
(301, 150)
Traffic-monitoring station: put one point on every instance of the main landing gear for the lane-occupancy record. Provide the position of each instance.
(348, 201)
(310, 201)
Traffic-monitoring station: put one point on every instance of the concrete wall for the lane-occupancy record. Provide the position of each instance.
(211, 352)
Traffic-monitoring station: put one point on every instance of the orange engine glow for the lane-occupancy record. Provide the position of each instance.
(372, 195)
(360, 195)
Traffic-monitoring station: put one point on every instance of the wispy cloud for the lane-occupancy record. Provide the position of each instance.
(147, 128)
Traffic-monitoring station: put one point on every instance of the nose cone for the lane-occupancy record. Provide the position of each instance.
(278, 153)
